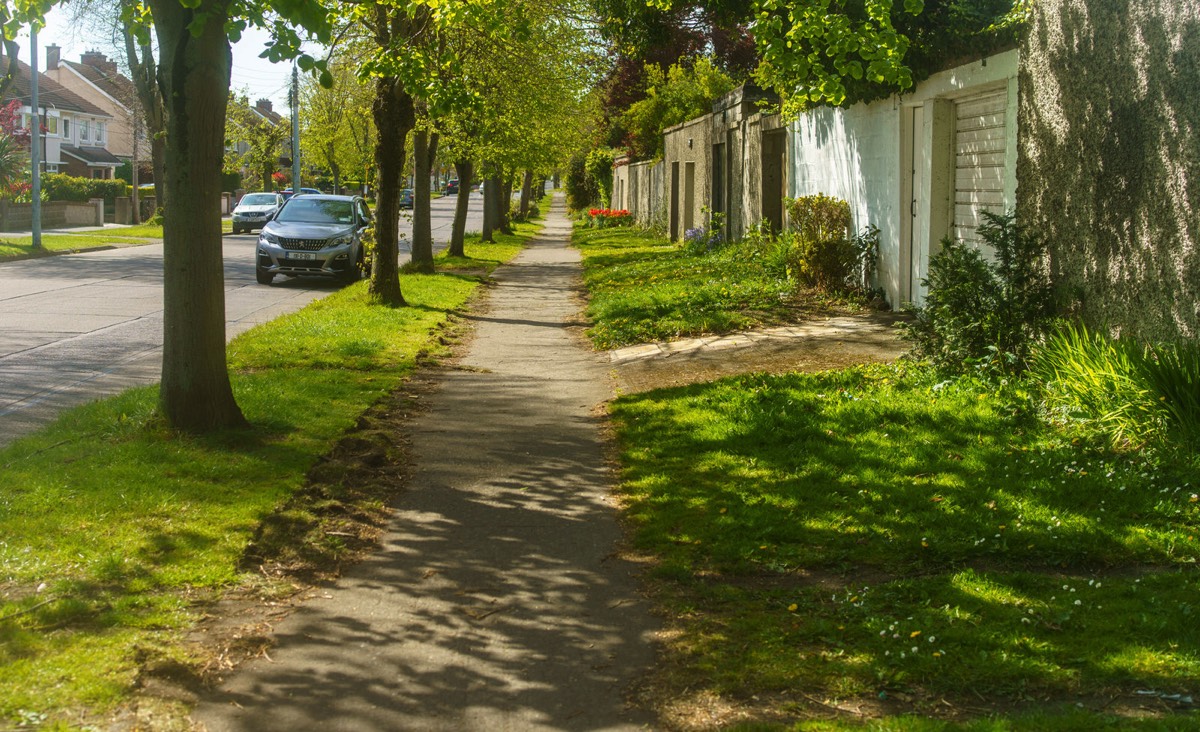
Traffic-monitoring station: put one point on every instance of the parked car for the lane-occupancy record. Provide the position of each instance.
(255, 210)
(314, 235)
(451, 186)
(303, 191)
(406, 198)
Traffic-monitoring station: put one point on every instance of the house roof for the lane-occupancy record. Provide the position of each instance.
(90, 155)
(50, 93)
(114, 84)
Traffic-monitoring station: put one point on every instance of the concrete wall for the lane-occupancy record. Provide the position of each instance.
(55, 215)
(859, 154)
(1109, 165)
(687, 144)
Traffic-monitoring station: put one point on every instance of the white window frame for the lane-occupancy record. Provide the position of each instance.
(85, 133)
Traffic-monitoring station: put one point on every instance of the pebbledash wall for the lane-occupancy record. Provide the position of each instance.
(1109, 164)
(920, 166)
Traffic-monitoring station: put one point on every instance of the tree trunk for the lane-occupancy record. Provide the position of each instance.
(393, 112)
(526, 190)
(458, 231)
(489, 209)
(195, 395)
(503, 220)
(424, 149)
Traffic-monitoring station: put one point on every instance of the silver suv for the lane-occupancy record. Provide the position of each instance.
(314, 235)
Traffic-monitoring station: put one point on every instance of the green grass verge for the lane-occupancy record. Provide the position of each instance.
(21, 247)
(871, 534)
(643, 288)
(112, 528)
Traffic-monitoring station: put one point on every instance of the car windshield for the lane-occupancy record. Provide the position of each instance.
(258, 199)
(316, 211)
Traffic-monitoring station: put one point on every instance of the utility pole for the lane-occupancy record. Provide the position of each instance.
(36, 140)
(295, 131)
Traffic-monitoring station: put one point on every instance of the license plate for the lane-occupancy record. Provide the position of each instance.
(309, 256)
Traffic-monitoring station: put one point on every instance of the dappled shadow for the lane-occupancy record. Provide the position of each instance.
(1109, 168)
(888, 523)
(495, 601)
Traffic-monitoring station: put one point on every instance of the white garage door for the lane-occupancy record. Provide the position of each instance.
(979, 153)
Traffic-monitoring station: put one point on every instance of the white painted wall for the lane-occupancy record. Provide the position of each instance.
(856, 154)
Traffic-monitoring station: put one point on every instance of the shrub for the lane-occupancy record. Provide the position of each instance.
(821, 252)
(62, 187)
(581, 189)
(1127, 391)
(984, 314)
(599, 166)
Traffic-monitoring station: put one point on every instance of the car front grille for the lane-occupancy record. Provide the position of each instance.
(303, 244)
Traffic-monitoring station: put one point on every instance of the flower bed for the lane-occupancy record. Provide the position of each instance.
(601, 218)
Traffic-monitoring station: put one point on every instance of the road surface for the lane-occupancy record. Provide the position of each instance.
(81, 326)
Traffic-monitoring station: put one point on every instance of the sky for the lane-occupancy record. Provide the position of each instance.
(258, 77)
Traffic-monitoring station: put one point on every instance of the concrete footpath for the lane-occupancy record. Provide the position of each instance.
(494, 602)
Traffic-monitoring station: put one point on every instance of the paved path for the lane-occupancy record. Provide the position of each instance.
(494, 602)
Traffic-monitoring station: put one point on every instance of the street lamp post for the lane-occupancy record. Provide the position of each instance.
(35, 143)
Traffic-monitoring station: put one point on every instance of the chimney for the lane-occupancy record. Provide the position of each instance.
(52, 56)
(99, 61)
(263, 105)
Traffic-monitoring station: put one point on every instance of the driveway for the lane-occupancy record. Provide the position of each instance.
(82, 326)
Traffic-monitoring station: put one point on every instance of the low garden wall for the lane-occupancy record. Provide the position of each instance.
(55, 215)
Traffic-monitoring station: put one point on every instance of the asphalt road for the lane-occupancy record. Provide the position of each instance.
(81, 326)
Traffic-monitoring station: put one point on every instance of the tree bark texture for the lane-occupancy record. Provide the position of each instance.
(458, 230)
(194, 75)
(394, 116)
(504, 205)
(424, 151)
(526, 190)
(489, 208)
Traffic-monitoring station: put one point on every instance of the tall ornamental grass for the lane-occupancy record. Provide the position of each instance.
(1130, 392)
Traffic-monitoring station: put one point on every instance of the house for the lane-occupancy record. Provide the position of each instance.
(259, 144)
(96, 79)
(76, 131)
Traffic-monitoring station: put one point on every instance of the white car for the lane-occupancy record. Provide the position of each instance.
(255, 210)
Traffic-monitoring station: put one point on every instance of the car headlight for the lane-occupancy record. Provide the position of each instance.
(342, 241)
(268, 238)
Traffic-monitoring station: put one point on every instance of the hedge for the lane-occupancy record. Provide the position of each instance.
(62, 187)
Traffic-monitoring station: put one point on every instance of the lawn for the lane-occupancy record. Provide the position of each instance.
(883, 541)
(115, 533)
(643, 288)
(18, 247)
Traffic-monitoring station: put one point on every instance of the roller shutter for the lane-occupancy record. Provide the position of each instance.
(979, 156)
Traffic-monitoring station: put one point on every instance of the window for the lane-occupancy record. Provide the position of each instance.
(52, 126)
(84, 132)
(66, 128)
(101, 130)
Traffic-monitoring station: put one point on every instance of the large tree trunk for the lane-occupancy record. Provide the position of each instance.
(504, 205)
(458, 231)
(424, 150)
(526, 190)
(194, 76)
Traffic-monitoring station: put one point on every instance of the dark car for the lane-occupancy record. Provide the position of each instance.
(255, 210)
(406, 198)
(452, 186)
(314, 235)
(303, 191)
